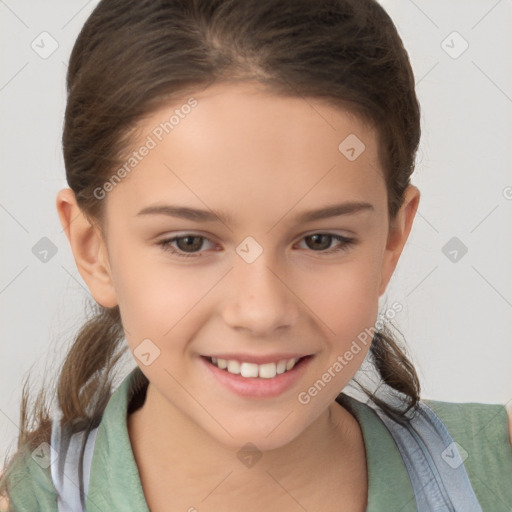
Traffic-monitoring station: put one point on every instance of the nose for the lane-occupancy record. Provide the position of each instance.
(260, 298)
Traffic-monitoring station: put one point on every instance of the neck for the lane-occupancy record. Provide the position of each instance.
(179, 448)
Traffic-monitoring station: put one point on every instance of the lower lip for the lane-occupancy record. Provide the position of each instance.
(256, 386)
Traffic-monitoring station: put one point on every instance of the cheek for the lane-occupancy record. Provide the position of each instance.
(157, 300)
(347, 309)
(345, 296)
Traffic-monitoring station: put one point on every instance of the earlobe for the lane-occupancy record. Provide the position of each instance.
(398, 234)
(88, 247)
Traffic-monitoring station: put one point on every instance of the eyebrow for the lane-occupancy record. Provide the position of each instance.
(197, 215)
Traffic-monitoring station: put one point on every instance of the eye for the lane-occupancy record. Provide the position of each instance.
(189, 245)
(324, 240)
(186, 243)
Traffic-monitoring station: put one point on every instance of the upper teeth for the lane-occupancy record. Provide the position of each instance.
(264, 371)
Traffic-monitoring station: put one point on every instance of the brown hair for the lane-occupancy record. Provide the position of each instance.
(132, 56)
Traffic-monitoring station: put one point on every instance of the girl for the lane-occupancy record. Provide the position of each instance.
(240, 195)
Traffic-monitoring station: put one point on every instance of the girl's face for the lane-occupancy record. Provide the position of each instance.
(258, 276)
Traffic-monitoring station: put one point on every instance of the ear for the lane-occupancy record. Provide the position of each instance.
(399, 231)
(89, 249)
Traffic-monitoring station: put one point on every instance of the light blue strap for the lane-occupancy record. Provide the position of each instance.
(88, 453)
(438, 476)
(65, 470)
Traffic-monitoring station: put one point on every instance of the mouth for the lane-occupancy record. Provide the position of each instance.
(256, 380)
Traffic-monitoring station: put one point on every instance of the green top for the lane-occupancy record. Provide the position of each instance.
(480, 429)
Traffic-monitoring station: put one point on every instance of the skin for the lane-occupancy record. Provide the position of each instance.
(263, 159)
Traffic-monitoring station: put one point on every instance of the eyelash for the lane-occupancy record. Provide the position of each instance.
(165, 244)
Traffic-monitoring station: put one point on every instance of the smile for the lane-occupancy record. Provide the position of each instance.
(252, 380)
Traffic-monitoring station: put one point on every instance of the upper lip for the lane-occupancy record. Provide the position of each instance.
(258, 359)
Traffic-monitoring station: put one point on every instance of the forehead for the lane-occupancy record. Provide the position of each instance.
(239, 144)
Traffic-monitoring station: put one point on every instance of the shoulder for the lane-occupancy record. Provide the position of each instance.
(28, 481)
(477, 422)
(508, 407)
(483, 436)
(497, 416)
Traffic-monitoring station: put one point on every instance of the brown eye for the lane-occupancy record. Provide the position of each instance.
(187, 246)
(189, 243)
(321, 242)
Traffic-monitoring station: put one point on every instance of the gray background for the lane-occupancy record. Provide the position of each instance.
(457, 317)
